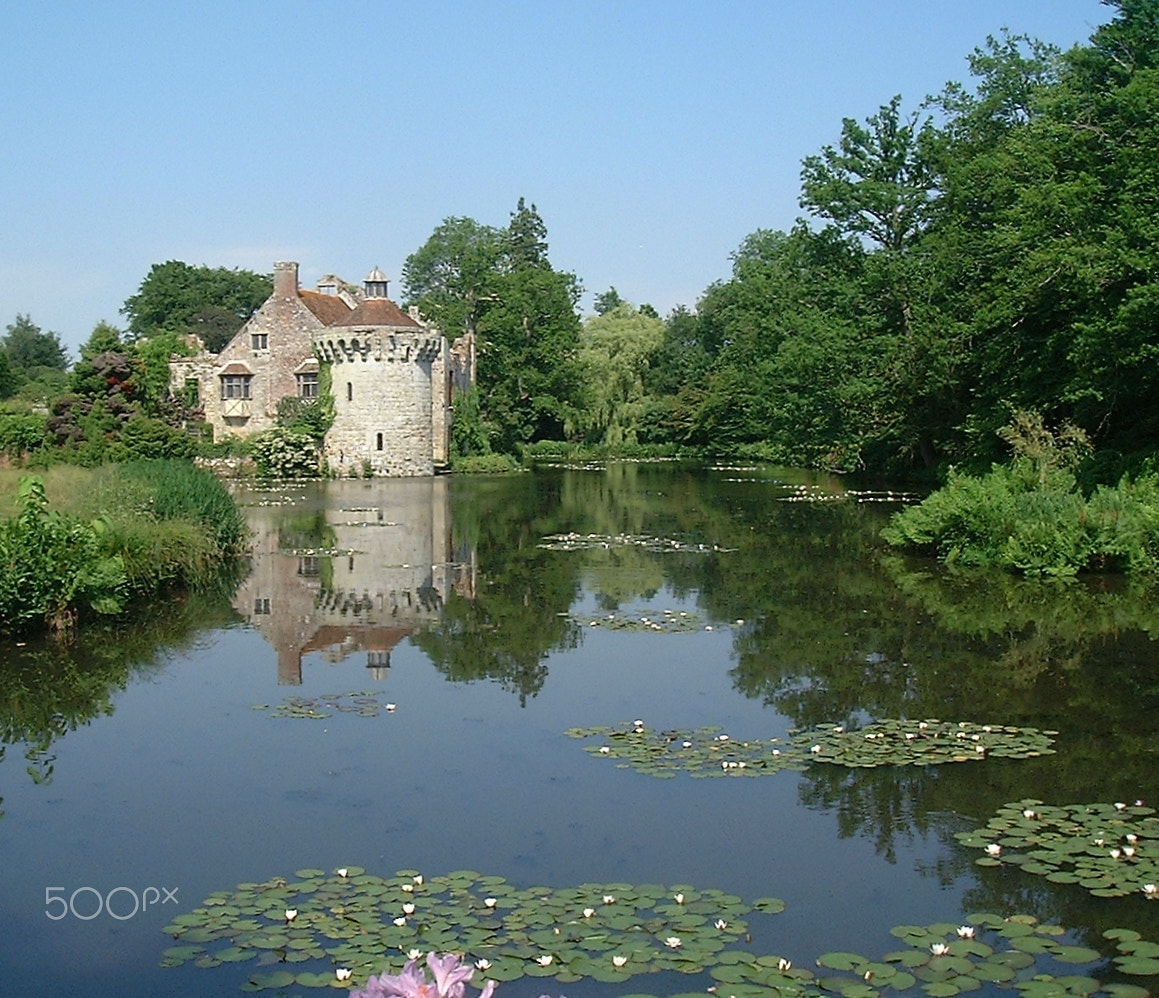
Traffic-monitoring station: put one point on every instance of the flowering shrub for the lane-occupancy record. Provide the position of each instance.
(280, 453)
(450, 979)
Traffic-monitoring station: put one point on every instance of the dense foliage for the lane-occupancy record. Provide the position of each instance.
(94, 539)
(499, 285)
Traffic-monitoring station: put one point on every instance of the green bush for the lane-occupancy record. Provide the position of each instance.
(54, 566)
(1017, 518)
(484, 464)
(280, 453)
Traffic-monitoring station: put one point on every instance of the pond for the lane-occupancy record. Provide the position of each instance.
(409, 679)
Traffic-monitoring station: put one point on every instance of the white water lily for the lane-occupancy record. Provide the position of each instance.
(490, 902)
(400, 921)
(1120, 806)
(720, 923)
(1151, 890)
(1116, 853)
(708, 627)
(673, 942)
(722, 738)
(408, 909)
(291, 914)
(965, 932)
(341, 871)
(678, 898)
(783, 964)
(816, 749)
(1128, 851)
(993, 849)
(939, 949)
(483, 963)
(1131, 837)
(392, 707)
(342, 973)
(588, 912)
(545, 960)
(619, 961)
(1029, 813)
(609, 899)
(418, 878)
(408, 887)
(637, 723)
(604, 750)
(687, 744)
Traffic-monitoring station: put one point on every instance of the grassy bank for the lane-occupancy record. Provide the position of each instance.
(78, 542)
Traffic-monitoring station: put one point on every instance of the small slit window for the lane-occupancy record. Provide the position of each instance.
(378, 442)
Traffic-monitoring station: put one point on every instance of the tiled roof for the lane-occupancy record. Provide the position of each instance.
(235, 367)
(328, 308)
(377, 312)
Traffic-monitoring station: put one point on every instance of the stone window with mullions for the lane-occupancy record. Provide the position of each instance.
(236, 386)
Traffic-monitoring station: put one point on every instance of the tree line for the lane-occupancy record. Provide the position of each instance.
(990, 249)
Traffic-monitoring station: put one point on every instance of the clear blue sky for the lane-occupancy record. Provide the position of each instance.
(653, 136)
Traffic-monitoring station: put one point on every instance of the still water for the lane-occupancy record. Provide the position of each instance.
(154, 757)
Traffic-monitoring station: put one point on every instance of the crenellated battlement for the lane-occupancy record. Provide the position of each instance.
(370, 345)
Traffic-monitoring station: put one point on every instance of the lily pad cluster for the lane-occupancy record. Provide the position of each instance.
(943, 960)
(664, 622)
(364, 703)
(648, 542)
(1110, 849)
(709, 751)
(367, 924)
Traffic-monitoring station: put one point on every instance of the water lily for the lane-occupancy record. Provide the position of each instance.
(391, 707)
(342, 973)
(722, 738)
(291, 914)
(1120, 806)
(1150, 891)
(637, 723)
(1128, 851)
(545, 960)
(816, 749)
(687, 744)
(965, 932)
(450, 978)
(490, 902)
(618, 960)
(1116, 853)
(483, 963)
(1132, 837)
(1029, 813)
(604, 750)
(418, 878)
(588, 912)
(341, 871)
(993, 849)
(609, 899)
(673, 942)
(678, 898)
(400, 921)
(414, 954)
(720, 923)
(408, 909)
(783, 964)
(939, 949)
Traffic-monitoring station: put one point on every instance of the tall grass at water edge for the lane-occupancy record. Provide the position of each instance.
(166, 523)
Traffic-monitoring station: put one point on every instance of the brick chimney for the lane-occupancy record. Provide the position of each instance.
(286, 279)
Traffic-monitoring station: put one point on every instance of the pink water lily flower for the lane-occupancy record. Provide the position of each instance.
(450, 978)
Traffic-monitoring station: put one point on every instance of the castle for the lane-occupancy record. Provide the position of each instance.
(391, 376)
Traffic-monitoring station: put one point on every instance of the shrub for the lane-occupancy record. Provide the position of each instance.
(54, 566)
(280, 453)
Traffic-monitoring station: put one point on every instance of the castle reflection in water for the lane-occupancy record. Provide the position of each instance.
(349, 567)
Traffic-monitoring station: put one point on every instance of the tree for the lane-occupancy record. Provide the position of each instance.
(614, 352)
(29, 348)
(212, 302)
(499, 285)
(879, 182)
(607, 300)
(450, 276)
